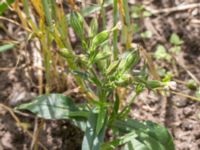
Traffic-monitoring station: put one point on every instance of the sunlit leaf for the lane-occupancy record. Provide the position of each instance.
(175, 49)
(175, 39)
(6, 47)
(56, 106)
(52, 106)
(91, 140)
(4, 5)
(146, 34)
(151, 135)
(161, 53)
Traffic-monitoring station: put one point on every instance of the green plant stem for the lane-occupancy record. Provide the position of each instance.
(115, 33)
(128, 24)
(103, 14)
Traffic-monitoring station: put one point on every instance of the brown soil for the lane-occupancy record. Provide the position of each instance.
(180, 115)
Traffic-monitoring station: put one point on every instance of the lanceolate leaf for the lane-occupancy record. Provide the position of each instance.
(149, 134)
(6, 47)
(120, 141)
(92, 140)
(76, 21)
(56, 106)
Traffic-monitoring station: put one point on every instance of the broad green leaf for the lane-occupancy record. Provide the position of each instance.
(101, 119)
(6, 47)
(150, 134)
(135, 145)
(53, 106)
(91, 140)
(120, 141)
(56, 106)
(161, 53)
(175, 39)
(4, 5)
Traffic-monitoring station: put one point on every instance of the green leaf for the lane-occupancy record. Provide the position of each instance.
(102, 55)
(175, 49)
(81, 74)
(147, 13)
(197, 93)
(152, 135)
(46, 4)
(120, 141)
(99, 39)
(191, 84)
(76, 21)
(100, 120)
(93, 27)
(161, 53)
(94, 8)
(6, 47)
(152, 84)
(135, 145)
(146, 34)
(4, 5)
(136, 27)
(91, 140)
(56, 106)
(175, 39)
(53, 106)
(129, 60)
(116, 104)
(112, 68)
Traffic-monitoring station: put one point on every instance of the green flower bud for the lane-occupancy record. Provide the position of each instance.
(131, 59)
(153, 84)
(66, 53)
(112, 67)
(99, 39)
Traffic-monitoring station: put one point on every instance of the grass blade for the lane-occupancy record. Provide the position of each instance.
(6, 47)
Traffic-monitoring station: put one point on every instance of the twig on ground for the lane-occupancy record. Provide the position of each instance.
(14, 22)
(188, 71)
(185, 95)
(19, 123)
(173, 9)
